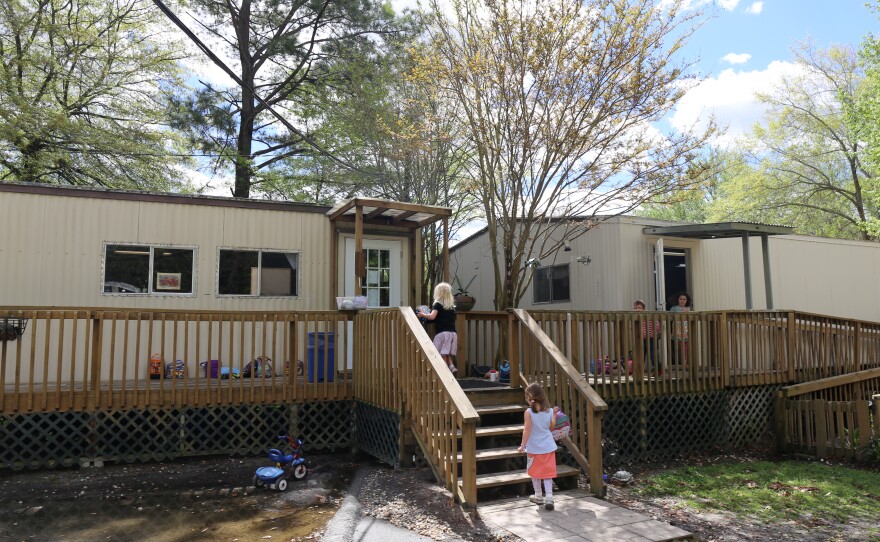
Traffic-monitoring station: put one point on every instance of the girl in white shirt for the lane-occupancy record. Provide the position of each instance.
(539, 445)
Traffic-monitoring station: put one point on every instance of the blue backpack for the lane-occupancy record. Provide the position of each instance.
(504, 369)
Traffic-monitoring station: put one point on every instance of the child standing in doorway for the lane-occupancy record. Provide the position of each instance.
(539, 445)
(443, 315)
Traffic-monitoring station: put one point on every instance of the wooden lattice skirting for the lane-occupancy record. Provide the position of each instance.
(50, 439)
(662, 427)
(377, 432)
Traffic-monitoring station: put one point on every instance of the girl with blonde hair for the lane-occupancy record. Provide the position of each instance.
(443, 315)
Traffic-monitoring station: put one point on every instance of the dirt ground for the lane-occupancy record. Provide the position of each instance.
(196, 499)
(211, 499)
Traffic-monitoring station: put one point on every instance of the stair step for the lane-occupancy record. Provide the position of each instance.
(500, 409)
(516, 477)
(496, 453)
(496, 430)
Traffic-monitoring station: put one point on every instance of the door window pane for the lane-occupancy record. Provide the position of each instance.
(378, 281)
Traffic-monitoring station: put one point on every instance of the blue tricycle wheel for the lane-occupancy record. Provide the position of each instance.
(300, 471)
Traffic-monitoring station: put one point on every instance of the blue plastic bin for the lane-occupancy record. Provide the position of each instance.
(317, 342)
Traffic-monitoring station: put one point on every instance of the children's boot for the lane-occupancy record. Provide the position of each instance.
(548, 503)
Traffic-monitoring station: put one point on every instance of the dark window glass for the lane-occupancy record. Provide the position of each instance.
(173, 270)
(126, 269)
(237, 272)
(551, 284)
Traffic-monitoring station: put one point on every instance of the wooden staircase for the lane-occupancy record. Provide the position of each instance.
(500, 468)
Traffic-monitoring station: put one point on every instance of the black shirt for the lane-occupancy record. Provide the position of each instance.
(445, 320)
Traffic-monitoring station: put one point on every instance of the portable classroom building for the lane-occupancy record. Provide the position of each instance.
(617, 262)
(65, 246)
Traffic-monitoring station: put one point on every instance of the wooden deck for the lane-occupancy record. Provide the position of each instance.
(179, 393)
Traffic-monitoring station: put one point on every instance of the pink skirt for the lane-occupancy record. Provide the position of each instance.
(446, 343)
(541, 465)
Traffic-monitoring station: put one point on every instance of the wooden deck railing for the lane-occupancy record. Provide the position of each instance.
(723, 349)
(831, 416)
(85, 359)
(480, 337)
(397, 367)
(536, 358)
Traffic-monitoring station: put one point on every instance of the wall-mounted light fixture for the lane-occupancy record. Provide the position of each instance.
(533, 262)
(567, 247)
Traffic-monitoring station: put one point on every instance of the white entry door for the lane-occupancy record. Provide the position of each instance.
(382, 280)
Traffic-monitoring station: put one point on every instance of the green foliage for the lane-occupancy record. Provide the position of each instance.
(556, 99)
(288, 54)
(83, 88)
(771, 491)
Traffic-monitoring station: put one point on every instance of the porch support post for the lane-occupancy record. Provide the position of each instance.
(445, 249)
(768, 280)
(359, 262)
(747, 270)
(334, 266)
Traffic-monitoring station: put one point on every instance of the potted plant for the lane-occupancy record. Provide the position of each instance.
(464, 301)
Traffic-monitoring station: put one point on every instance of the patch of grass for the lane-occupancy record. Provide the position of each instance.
(771, 491)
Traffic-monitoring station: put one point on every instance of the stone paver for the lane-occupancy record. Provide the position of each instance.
(578, 517)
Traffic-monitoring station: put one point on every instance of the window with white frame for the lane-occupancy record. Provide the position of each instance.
(260, 273)
(551, 284)
(148, 269)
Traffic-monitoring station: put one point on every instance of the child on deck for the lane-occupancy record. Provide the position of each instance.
(539, 445)
(443, 315)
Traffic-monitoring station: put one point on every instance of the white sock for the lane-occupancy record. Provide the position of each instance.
(548, 488)
(536, 483)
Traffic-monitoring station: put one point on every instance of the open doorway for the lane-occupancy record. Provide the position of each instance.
(675, 274)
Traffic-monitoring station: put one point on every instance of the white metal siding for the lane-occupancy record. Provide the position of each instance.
(51, 250)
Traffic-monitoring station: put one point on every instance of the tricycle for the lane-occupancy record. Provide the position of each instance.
(287, 466)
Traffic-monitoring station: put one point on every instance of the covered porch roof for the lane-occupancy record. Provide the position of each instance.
(388, 213)
(726, 230)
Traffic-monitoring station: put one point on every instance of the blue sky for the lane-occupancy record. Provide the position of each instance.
(746, 45)
(767, 30)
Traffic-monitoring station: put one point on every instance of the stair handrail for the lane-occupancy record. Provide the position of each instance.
(568, 378)
(828, 383)
(425, 405)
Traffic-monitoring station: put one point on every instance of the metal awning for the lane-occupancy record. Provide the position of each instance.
(727, 230)
(717, 230)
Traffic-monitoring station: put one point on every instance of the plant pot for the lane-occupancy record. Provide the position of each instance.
(464, 303)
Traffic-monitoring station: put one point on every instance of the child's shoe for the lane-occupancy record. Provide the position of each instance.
(453, 368)
(548, 503)
(537, 499)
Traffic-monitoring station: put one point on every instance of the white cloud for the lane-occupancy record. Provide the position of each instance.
(756, 8)
(729, 5)
(736, 58)
(730, 97)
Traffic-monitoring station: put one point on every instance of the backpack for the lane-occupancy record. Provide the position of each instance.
(262, 366)
(563, 426)
(504, 370)
(155, 367)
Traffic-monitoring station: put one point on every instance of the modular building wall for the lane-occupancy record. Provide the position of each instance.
(834, 277)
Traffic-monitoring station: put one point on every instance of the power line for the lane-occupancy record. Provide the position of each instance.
(216, 60)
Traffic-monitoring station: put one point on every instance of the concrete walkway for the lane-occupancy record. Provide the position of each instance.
(577, 517)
